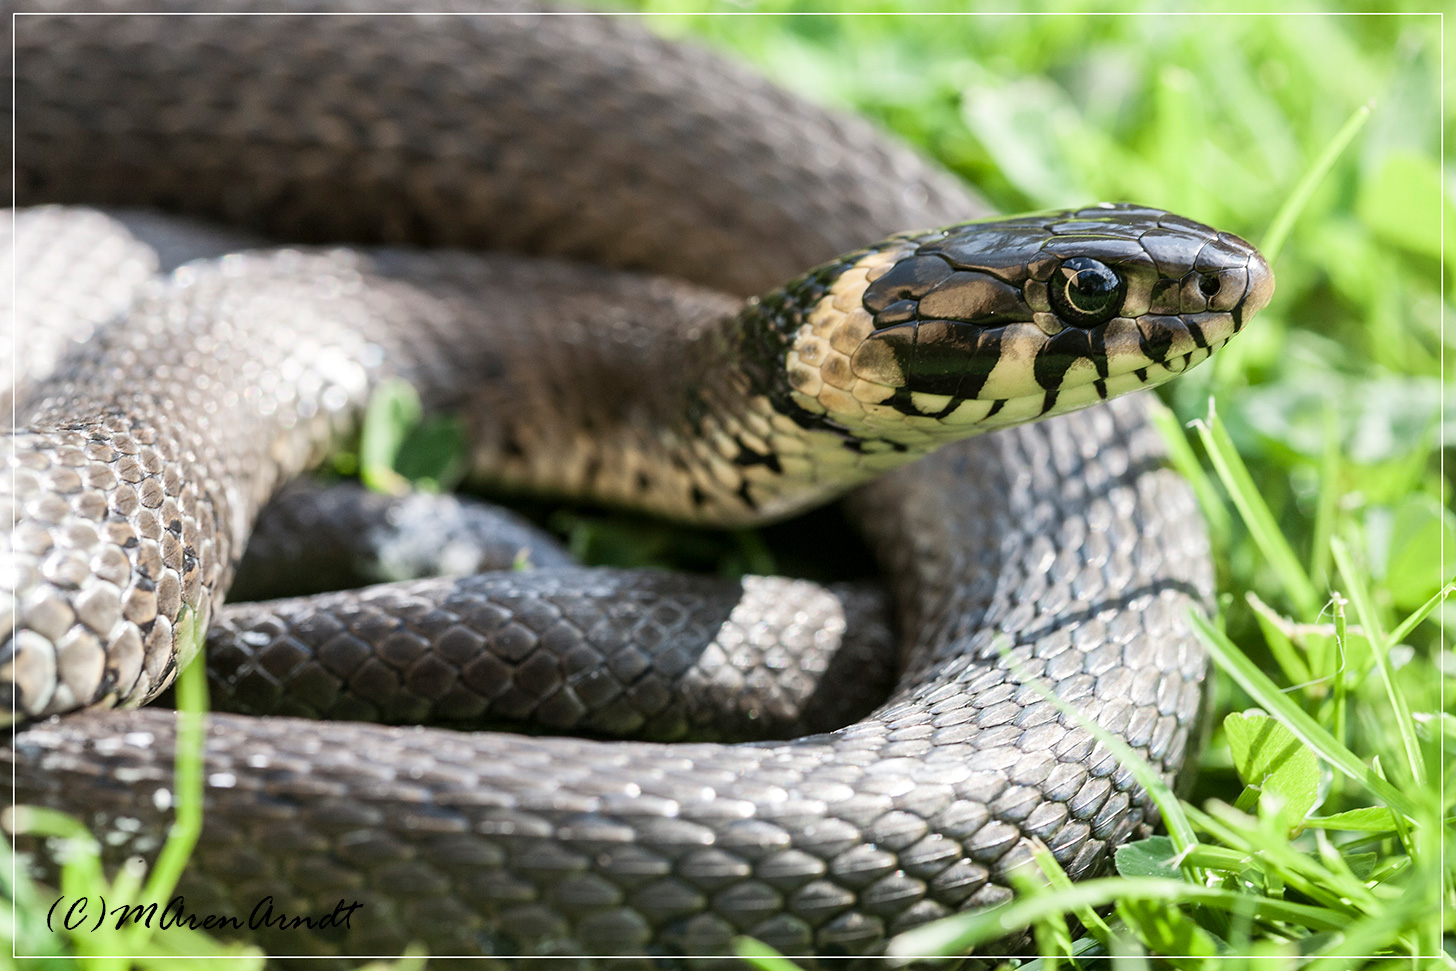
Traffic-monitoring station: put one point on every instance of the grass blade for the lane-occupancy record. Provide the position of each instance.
(757, 954)
(956, 935)
(1403, 631)
(1058, 880)
(1342, 691)
(1180, 455)
(1283, 221)
(1278, 641)
(1256, 515)
(1278, 704)
(1380, 647)
(187, 795)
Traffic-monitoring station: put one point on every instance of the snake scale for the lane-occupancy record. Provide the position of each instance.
(1053, 556)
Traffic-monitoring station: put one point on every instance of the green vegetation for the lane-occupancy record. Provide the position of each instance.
(1313, 835)
(133, 900)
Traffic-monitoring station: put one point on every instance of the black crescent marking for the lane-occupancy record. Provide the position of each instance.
(1195, 332)
(954, 403)
(746, 496)
(901, 402)
(1097, 345)
(859, 445)
(1156, 347)
(747, 456)
(980, 365)
(1058, 355)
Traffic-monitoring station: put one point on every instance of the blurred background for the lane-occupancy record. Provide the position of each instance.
(1333, 398)
(1328, 487)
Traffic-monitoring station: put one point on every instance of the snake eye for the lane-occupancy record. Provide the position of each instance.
(1084, 292)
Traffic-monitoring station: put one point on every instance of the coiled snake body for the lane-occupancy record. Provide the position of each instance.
(1052, 556)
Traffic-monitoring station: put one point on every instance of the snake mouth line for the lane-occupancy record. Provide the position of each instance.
(956, 414)
(987, 324)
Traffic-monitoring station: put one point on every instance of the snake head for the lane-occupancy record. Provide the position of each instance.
(996, 322)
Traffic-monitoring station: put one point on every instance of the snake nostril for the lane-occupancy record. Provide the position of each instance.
(1208, 284)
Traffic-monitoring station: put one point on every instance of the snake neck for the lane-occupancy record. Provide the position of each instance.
(677, 402)
(722, 432)
(794, 424)
(760, 414)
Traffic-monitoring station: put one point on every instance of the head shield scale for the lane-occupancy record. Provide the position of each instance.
(933, 336)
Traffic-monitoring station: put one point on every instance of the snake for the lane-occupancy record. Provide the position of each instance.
(555, 227)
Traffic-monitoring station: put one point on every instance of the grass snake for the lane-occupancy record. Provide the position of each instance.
(1056, 555)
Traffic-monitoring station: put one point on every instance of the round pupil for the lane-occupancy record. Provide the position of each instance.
(1090, 287)
(1090, 292)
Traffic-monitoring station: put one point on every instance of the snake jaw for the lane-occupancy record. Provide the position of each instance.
(935, 336)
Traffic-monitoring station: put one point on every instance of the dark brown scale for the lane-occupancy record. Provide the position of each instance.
(899, 312)
(908, 280)
(938, 360)
(1191, 298)
(1002, 252)
(1170, 251)
(975, 297)
(1165, 297)
(1109, 250)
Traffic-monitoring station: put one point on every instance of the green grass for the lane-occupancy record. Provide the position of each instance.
(1313, 836)
(78, 937)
